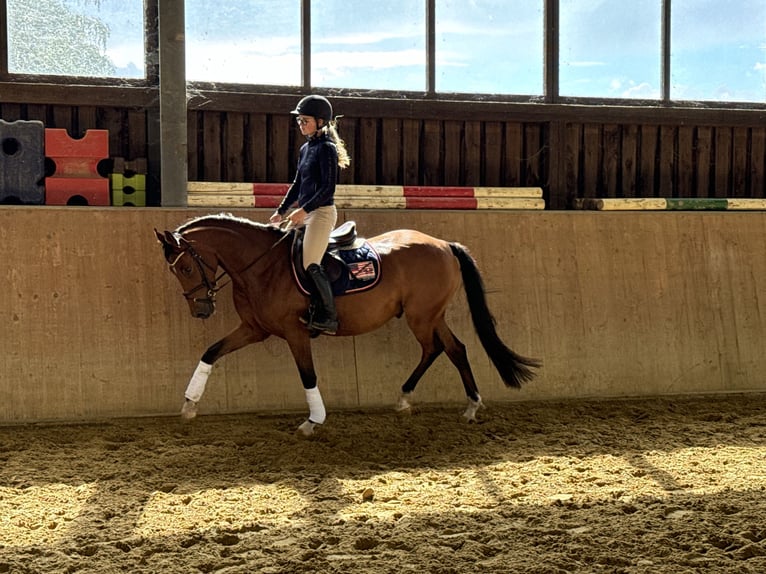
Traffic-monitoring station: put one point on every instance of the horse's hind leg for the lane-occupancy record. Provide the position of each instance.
(456, 352)
(431, 349)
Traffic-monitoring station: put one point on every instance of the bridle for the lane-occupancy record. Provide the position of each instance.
(211, 287)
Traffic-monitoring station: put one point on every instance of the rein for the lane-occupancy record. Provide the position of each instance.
(262, 255)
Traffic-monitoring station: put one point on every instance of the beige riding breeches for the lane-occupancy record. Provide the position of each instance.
(319, 223)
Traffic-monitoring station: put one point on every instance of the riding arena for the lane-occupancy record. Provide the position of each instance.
(549, 355)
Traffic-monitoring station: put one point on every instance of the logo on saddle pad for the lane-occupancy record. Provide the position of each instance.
(351, 263)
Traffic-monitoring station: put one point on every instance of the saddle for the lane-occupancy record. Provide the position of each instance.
(350, 262)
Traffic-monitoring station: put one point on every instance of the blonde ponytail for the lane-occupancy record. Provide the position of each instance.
(344, 160)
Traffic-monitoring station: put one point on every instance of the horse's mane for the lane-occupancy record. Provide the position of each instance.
(225, 220)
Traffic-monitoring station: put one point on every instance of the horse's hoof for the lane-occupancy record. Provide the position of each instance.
(307, 428)
(470, 412)
(403, 406)
(189, 410)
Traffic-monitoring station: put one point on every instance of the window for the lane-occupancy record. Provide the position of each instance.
(489, 46)
(715, 50)
(244, 42)
(368, 45)
(96, 38)
(610, 49)
(718, 50)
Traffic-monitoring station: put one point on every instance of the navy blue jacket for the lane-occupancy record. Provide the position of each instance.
(314, 184)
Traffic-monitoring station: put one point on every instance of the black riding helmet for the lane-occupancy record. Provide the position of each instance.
(314, 106)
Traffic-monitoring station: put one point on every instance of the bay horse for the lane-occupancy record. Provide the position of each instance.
(419, 276)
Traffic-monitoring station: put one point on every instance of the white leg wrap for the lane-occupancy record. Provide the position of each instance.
(196, 386)
(317, 413)
(473, 407)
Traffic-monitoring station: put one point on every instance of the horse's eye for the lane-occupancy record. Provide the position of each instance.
(186, 270)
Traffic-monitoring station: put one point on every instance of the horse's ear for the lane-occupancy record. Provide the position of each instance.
(160, 236)
(171, 240)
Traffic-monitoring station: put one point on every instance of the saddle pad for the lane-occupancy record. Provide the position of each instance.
(349, 270)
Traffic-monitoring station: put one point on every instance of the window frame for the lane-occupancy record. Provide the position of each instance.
(550, 88)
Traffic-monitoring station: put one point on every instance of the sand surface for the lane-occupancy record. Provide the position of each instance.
(660, 485)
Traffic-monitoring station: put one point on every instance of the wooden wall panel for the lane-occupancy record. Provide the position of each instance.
(723, 151)
(412, 149)
(255, 148)
(12, 112)
(390, 153)
(704, 162)
(758, 162)
(592, 161)
(667, 161)
(367, 151)
(611, 143)
(472, 145)
(282, 150)
(37, 112)
(348, 131)
(493, 154)
(572, 162)
(233, 164)
(615, 304)
(514, 154)
(87, 119)
(685, 179)
(194, 150)
(63, 118)
(453, 152)
(590, 158)
(137, 140)
(629, 161)
(432, 146)
(739, 171)
(212, 131)
(648, 163)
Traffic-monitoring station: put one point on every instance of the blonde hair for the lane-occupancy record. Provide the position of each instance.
(344, 160)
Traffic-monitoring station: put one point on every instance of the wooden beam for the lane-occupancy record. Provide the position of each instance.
(173, 133)
(3, 38)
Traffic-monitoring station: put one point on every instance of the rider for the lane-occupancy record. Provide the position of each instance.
(313, 190)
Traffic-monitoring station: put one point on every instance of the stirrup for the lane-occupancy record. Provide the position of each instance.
(328, 327)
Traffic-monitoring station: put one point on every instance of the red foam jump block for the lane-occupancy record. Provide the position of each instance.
(76, 191)
(76, 157)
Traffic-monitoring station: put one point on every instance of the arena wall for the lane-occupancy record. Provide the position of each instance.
(614, 304)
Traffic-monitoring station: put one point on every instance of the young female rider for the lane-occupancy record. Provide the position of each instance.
(313, 191)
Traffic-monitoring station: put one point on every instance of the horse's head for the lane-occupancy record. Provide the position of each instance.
(194, 266)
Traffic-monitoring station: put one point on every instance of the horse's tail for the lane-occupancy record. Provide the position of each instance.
(513, 368)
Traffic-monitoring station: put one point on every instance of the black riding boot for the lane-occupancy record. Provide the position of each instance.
(325, 318)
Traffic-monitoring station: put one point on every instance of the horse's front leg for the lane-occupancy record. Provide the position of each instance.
(300, 346)
(240, 337)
